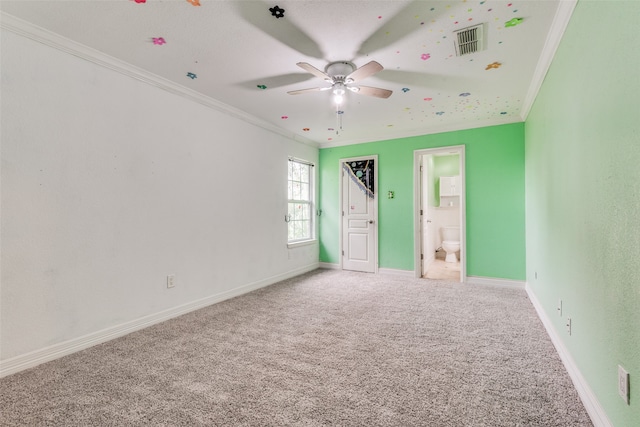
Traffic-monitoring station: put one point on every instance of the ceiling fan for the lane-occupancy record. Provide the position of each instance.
(342, 75)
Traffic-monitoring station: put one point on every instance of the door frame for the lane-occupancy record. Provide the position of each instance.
(417, 191)
(375, 207)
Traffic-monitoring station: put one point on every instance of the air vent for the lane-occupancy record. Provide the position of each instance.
(469, 40)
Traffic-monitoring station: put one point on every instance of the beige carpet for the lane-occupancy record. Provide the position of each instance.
(326, 348)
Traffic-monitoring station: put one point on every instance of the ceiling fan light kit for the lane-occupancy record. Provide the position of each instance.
(342, 75)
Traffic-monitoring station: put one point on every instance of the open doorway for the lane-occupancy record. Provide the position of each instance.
(439, 199)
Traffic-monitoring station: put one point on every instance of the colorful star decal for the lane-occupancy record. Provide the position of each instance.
(425, 56)
(159, 41)
(194, 2)
(513, 22)
(465, 94)
(340, 112)
(192, 76)
(284, 117)
(277, 11)
(263, 87)
(439, 113)
(140, 1)
(494, 65)
(405, 89)
(306, 129)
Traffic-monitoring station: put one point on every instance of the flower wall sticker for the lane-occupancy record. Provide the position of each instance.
(159, 41)
(425, 56)
(494, 65)
(513, 22)
(277, 11)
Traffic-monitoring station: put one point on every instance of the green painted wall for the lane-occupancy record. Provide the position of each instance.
(495, 198)
(583, 198)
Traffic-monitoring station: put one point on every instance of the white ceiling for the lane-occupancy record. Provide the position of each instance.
(235, 46)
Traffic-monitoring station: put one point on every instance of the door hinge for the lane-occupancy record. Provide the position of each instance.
(420, 211)
(342, 253)
(421, 256)
(342, 213)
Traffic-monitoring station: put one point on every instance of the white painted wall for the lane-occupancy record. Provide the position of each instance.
(109, 184)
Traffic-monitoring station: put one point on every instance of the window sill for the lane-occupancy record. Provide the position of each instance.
(301, 243)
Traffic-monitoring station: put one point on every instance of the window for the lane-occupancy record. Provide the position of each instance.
(300, 197)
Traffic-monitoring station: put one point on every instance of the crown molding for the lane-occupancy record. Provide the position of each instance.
(61, 43)
(558, 27)
(430, 131)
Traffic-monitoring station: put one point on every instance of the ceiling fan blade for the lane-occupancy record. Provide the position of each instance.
(275, 81)
(401, 25)
(426, 80)
(372, 91)
(313, 70)
(283, 30)
(368, 69)
(315, 89)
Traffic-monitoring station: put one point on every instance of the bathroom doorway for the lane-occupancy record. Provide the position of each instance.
(439, 217)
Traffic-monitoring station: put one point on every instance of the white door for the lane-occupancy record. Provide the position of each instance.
(428, 238)
(359, 243)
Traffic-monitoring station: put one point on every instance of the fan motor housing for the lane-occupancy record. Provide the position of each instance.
(340, 69)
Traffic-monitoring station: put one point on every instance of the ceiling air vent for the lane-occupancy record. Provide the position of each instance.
(469, 40)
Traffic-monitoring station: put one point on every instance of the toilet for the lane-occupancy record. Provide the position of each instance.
(450, 242)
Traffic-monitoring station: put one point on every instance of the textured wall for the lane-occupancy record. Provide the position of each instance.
(583, 198)
(495, 198)
(110, 184)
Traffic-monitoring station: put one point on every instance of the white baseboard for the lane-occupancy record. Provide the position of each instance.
(37, 357)
(395, 272)
(495, 281)
(589, 400)
(329, 266)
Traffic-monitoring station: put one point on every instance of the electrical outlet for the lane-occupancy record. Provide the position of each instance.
(569, 325)
(171, 280)
(623, 384)
(560, 307)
